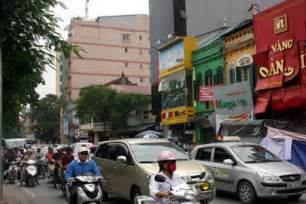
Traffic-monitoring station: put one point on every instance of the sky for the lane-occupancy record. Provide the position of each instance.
(75, 8)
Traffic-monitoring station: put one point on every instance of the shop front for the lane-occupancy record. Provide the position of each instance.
(281, 63)
(208, 62)
(175, 76)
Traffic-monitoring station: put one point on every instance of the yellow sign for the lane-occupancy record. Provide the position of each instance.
(179, 115)
(280, 24)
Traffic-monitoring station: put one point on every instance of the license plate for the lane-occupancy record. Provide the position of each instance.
(293, 185)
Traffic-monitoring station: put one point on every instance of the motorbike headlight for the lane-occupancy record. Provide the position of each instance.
(268, 178)
(205, 186)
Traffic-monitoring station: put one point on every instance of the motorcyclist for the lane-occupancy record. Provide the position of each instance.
(81, 166)
(28, 156)
(50, 154)
(57, 157)
(167, 165)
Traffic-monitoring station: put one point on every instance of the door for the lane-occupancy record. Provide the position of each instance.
(105, 159)
(205, 156)
(123, 173)
(223, 174)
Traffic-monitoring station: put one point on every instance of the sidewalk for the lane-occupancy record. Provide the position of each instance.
(13, 194)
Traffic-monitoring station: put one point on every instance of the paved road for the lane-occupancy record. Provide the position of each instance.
(46, 194)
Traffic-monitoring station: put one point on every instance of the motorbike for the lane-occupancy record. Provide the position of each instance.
(51, 166)
(13, 172)
(30, 173)
(88, 189)
(42, 166)
(181, 194)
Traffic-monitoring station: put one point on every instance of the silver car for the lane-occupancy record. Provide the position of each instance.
(251, 171)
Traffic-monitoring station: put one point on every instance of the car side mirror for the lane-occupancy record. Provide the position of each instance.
(228, 162)
(121, 159)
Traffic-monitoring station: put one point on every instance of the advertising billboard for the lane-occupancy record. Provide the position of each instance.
(172, 56)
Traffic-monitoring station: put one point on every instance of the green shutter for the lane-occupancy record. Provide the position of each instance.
(238, 74)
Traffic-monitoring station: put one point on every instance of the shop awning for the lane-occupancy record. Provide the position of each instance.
(270, 83)
(262, 102)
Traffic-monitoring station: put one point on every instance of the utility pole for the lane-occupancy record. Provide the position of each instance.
(1, 131)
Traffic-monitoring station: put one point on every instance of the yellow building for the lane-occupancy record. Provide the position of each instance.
(239, 46)
(175, 75)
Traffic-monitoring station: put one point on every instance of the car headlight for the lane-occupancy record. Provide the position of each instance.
(268, 178)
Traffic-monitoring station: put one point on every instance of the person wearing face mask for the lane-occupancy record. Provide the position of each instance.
(167, 166)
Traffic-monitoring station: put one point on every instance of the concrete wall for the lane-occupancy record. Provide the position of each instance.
(106, 54)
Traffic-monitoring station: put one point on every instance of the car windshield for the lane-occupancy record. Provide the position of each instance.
(254, 154)
(148, 152)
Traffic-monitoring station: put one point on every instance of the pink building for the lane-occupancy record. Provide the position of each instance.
(112, 45)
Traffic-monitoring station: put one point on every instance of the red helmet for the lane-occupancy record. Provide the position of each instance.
(166, 156)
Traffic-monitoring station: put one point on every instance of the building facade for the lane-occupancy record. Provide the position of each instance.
(208, 63)
(197, 18)
(175, 71)
(109, 45)
(280, 59)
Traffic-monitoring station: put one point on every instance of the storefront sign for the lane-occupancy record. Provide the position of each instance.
(205, 93)
(172, 56)
(234, 100)
(280, 24)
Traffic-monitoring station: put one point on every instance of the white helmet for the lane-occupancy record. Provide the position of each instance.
(83, 149)
(166, 156)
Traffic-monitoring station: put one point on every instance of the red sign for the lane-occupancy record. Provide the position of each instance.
(280, 37)
(206, 93)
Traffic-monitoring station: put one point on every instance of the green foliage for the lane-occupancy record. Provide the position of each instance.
(28, 38)
(106, 105)
(46, 117)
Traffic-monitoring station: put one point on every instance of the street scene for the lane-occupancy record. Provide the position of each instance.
(153, 101)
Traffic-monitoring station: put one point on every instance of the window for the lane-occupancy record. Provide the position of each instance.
(219, 79)
(220, 155)
(141, 79)
(140, 51)
(146, 115)
(245, 73)
(232, 74)
(204, 154)
(141, 66)
(140, 37)
(125, 37)
(126, 50)
(102, 151)
(126, 64)
(121, 150)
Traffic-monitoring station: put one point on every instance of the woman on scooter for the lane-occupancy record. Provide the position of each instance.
(161, 191)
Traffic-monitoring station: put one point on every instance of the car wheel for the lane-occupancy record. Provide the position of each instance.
(135, 192)
(246, 193)
(294, 198)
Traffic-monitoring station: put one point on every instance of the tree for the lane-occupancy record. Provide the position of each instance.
(28, 38)
(106, 105)
(46, 117)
